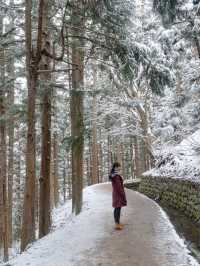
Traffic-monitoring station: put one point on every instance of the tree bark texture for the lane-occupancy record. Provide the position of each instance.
(45, 178)
(95, 173)
(3, 158)
(55, 169)
(76, 110)
(10, 126)
(32, 64)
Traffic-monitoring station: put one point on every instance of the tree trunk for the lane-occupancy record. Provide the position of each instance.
(51, 180)
(28, 221)
(109, 154)
(28, 224)
(146, 148)
(137, 157)
(45, 178)
(3, 157)
(196, 41)
(132, 158)
(55, 169)
(44, 203)
(32, 63)
(37, 188)
(87, 161)
(17, 197)
(10, 159)
(76, 110)
(143, 154)
(10, 70)
(94, 142)
(90, 161)
(100, 163)
(68, 175)
(64, 183)
(3, 177)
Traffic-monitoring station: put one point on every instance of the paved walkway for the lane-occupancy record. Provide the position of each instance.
(148, 238)
(90, 239)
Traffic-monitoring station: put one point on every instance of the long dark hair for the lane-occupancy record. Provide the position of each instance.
(115, 165)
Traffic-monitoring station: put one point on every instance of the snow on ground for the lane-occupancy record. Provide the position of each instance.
(89, 239)
(71, 235)
(181, 161)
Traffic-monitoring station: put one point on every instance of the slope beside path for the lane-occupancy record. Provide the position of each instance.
(89, 239)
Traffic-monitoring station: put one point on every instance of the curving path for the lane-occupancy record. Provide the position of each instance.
(148, 238)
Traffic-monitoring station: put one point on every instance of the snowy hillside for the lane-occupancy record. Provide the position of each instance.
(182, 160)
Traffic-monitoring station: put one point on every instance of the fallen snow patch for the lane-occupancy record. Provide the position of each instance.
(70, 235)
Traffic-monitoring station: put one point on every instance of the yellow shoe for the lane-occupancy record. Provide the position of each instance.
(118, 227)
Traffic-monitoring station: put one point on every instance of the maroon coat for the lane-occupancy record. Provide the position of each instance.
(118, 195)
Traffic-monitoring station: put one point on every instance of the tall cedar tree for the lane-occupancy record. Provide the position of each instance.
(45, 78)
(3, 157)
(32, 64)
(76, 105)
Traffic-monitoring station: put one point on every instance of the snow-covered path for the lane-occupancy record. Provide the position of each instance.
(89, 239)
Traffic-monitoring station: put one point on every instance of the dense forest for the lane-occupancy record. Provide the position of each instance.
(84, 83)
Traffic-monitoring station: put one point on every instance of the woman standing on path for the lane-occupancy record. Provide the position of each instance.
(118, 194)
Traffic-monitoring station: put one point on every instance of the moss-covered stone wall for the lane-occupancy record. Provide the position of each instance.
(180, 194)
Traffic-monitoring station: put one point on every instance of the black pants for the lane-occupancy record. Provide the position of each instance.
(117, 212)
